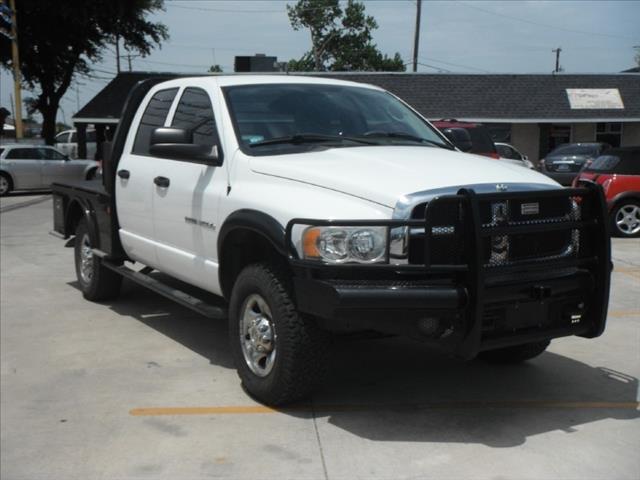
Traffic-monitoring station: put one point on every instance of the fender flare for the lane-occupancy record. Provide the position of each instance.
(88, 214)
(258, 222)
(630, 194)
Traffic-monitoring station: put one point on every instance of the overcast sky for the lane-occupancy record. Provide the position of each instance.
(459, 36)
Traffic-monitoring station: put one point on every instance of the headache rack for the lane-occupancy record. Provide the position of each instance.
(479, 239)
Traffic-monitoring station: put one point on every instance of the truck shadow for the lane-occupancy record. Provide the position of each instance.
(392, 389)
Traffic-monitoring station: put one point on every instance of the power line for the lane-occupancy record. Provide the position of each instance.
(455, 64)
(542, 24)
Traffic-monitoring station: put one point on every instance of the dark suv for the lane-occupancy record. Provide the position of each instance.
(468, 137)
(565, 162)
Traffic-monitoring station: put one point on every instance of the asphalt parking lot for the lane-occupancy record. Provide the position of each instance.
(143, 388)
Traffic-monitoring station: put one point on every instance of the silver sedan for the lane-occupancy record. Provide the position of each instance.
(30, 167)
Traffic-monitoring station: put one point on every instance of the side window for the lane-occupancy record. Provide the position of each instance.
(62, 137)
(154, 116)
(23, 154)
(74, 137)
(50, 154)
(194, 112)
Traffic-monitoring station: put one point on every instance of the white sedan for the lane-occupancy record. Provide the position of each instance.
(32, 167)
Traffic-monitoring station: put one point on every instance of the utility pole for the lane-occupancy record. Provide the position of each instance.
(129, 60)
(416, 38)
(557, 52)
(118, 53)
(17, 78)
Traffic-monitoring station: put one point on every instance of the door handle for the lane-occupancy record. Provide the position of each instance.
(162, 181)
(124, 174)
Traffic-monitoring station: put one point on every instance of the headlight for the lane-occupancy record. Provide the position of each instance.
(345, 244)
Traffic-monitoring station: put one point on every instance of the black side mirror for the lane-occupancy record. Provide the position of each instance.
(177, 144)
(459, 137)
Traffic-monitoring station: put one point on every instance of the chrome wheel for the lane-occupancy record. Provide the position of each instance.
(628, 219)
(4, 185)
(86, 259)
(257, 335)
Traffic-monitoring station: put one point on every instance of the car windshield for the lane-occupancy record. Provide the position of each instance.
(575, 150)
(291, 117)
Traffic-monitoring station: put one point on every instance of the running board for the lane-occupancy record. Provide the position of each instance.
(178, 296)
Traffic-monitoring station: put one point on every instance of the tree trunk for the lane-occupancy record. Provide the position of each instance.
(49, 114)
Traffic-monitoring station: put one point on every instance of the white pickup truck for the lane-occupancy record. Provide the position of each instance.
(311, 206)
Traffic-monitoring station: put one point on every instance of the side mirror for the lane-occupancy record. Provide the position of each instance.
(459, 137)
(525, 157)
(177, 144)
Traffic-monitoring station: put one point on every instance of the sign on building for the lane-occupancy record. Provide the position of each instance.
(594, 98)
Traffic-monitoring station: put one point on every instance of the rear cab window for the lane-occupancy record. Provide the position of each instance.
(154, 116)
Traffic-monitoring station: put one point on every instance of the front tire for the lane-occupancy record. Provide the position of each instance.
(515, 354)
(97, 282)
(625, 219)
(280, 354)
(5, 184)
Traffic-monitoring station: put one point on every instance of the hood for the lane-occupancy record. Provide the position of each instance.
(383, 174)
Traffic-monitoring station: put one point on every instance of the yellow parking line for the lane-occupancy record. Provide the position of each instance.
(624, 313)
(259, 409)
(632, 272)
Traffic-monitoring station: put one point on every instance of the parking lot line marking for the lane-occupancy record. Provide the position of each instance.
(259, 409)
(624, 313)
(632, 272)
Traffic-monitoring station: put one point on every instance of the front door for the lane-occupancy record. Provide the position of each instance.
(57, 168)
(185, 211)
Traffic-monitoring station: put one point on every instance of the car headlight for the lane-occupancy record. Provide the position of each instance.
(345, 244)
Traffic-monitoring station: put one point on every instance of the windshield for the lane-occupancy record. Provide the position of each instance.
(604, 163)
(289, 117)
(575, 150)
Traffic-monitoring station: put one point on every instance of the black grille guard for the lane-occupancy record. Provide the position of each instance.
(472, 271)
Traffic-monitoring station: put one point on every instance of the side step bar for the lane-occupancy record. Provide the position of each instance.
(178, 296)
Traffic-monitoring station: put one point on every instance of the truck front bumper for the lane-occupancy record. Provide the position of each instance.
(469, 307)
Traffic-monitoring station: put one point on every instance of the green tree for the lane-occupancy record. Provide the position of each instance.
(59, 40)
(341, 39)
(215, 69)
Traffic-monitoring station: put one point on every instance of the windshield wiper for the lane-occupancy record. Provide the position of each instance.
(408, 136)
(301, 138)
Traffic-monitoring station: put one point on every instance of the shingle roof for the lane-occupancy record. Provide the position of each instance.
(479, 97)
(505, 97)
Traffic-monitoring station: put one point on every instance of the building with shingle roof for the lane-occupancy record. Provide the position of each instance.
(534, 112)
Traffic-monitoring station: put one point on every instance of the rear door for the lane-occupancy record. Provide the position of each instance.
(185, 212)
(25, 165)
(134, 178)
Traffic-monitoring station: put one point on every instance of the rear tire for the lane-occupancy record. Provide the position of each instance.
(625, 219)
(280, 354)
(515, 354)
(5, 184)
(97, 282)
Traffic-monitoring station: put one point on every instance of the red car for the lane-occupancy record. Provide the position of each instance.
(618, 171)
(468, 137)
